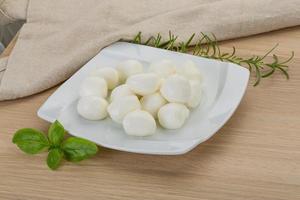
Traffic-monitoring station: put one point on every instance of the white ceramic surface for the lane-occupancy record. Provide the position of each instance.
(224, 85)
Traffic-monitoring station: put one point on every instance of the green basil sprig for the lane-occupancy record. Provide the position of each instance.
(73, 149)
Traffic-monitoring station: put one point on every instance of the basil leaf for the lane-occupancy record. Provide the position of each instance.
(54, 158)
(30, 141)
(77, 149)
(56, 133)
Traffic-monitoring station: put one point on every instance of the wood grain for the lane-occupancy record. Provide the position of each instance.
(256, 155)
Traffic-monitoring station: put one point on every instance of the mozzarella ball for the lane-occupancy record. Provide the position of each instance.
(190, 71)
(139, 123)
(110, 74)
(93, 86)
(152, 103)
(128, 68)
(196, 94)
(163, 68)
(92, 107)
(173, 115)
(176, 89)
(144, 84)
(120, 107)
(120, 91)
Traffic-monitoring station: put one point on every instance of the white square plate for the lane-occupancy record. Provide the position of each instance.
(224, 85)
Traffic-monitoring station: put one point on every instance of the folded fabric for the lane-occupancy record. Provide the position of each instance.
(60, 36)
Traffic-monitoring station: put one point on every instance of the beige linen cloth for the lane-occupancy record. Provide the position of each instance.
(60, 36)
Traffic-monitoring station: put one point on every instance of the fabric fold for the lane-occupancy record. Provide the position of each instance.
(12, 10)
(60, 36)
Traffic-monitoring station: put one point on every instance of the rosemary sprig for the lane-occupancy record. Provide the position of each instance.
(207, 46)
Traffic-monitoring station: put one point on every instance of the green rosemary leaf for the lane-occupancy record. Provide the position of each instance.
(190, 40)
(183, 48)
(276, 45)
(269, 73)
(285, 66)
(170, 35)
(224, 54)
(211, 43)
(171, 45)
(137, 38)
(284, 72)
(164, 44)
(157, 40)
(208, 44)
(250, 67)
(232, 53)
(258, 75)
(216, 44)
(148, 41)
(289, 59)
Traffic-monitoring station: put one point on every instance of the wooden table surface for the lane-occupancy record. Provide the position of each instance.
(256, 155)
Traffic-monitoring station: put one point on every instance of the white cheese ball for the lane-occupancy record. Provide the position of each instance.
(128, 68)
(110, 74)
(176, 89)
(144, 84)
(173, 115)
(139, 123)
(93, 86)
(152, 103)
(121, 91)
(163, 68)
(190, 71)
(196, 94)
(120, 107)
(92, 107)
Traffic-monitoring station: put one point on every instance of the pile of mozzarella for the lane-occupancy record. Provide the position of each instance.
(137, 99)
